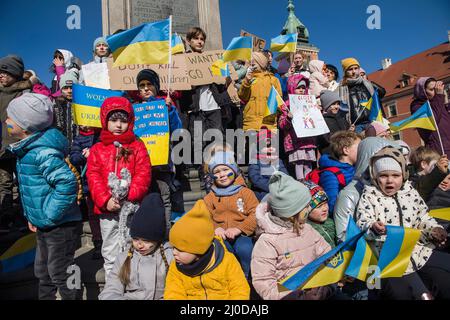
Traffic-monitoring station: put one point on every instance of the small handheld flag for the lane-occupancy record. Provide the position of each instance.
(177, 44)
(284, 43)
(375, 107)
(274, 102)
(443, 214)
(240, 48)
(422, 118)
(220, 68)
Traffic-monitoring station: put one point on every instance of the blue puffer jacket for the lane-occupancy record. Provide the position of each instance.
(48, 187)
(328, 180)
(260, 179)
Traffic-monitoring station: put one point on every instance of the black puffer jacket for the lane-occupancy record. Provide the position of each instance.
(335, 122)
(62, 118)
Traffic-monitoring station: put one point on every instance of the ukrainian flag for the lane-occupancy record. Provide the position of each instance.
(145, 44)
(274, 102)
(396, 252)
(86, 103)
(362, 258)
(20, 255)
(220, 68)
(177, 44)
(375, 108)
(284, 43)
(240, 48)
(422, 118)
(443, 213)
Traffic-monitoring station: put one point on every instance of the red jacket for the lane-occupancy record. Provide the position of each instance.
(101, 162)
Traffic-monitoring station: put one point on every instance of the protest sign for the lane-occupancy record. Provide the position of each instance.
(124, 77)
(307, 118)
(86, 103)
(96, 75)
(258, 43)
(199, 68)
(151, 124)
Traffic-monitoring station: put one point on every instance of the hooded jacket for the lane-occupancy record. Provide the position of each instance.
(101, 162)
(335, 122)
(60, 70)
(48, 187)
(348, 198)
(255, 95)
(280, 252)
(442, 116)
(259, 177)
(234, 211)
(405, 208)
(317, 81)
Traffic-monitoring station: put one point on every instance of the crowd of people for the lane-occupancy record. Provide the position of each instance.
(250, 231)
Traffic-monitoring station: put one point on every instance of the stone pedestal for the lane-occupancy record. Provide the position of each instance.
(124, 14)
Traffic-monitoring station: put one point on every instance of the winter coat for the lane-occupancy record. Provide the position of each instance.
(317, 81)
(225, 281)
(280, 252)
(147, 277)
(235, 211)
(335, 122)
(101, 162)
(328, 180)
(426, 184)
(60, 70)
(442, 116)
(255, 94)
(6, 95)
(260, 181)
(63, 119)
(348, 198)
(439, 199)
(47, 186)
(327, 230)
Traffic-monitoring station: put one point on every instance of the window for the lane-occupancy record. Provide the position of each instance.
(392, 109)
(397, 136)
(405, 83)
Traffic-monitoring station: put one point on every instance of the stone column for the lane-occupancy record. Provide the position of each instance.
(115, 15)
(209, 16)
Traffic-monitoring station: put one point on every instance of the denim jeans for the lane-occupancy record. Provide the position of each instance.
(242, 248)
(54, 254)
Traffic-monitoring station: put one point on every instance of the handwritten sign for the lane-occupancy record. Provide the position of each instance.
(151, 124)
(96, 75)
(307, 118)
(124, 77)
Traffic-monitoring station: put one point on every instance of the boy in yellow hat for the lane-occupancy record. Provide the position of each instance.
(202, 268)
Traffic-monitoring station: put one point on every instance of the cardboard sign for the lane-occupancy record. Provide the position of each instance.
(308, 120)
(151, 124)
(124, 77)
(258, 43)
(199, 68)
(96, 75)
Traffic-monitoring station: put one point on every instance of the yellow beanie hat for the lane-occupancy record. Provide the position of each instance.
(194, 232)
(347, 63)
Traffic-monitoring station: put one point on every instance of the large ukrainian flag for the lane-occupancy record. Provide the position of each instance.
(86, 103)
(145, 44)
(240, 48)
(284, 43)
(422, 118)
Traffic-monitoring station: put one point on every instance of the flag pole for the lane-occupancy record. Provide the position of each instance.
(437, 127)
(170, 56)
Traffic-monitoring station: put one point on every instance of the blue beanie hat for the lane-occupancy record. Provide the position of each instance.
(225, 158)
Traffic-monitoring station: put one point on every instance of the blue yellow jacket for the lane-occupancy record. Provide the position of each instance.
(47, 186)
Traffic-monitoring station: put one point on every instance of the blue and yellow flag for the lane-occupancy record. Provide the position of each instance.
(240, 48)
(274, 102)
(375, 107)
(177, 44)
(144, 44)
(396, 252)
(422, 118)
(20, 255)
(284, 43)
(220, 68)
(362, 258)
(86, 103)
(443, 214)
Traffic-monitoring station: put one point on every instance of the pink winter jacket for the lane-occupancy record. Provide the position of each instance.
(280, 252)
(317, 81)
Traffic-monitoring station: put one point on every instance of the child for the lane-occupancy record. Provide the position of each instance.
(286, 243)
(202, 268)
(118, 149)
(318, 80)
(378, 129)
(392, 200)
(302, 151)
(48, 190)
(82, 143)
(336, 170)
(232, 206)
(140, 273)
(318, 217)
(63, 61)
(267, 163)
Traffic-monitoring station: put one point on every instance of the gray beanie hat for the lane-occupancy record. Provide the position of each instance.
(98, 41)
(69, 78)
(287, 196)
(13, 65)
(31, 111)
(327, 98)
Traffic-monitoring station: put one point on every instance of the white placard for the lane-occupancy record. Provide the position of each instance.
(96, 75)
(307, 118)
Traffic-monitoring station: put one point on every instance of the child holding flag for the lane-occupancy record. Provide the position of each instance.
(119, 148)
(392, 200)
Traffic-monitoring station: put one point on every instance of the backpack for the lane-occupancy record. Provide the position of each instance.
(314, 176)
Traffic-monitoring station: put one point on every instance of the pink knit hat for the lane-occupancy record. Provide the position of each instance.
(375, 128)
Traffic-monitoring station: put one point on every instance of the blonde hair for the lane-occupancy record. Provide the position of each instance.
(217, 147)
(299, 220)
(423, 154)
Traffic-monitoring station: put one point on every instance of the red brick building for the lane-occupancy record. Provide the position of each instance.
(399, 79)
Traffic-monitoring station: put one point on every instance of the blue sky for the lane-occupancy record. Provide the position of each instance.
(338, 28)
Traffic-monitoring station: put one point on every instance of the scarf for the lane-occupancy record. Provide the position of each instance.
(228, 191)
(125, 138)
(344, 92)
(200, 266)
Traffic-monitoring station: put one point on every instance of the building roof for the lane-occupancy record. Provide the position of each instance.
(433, 62)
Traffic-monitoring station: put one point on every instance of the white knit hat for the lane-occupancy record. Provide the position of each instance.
(386, 164)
